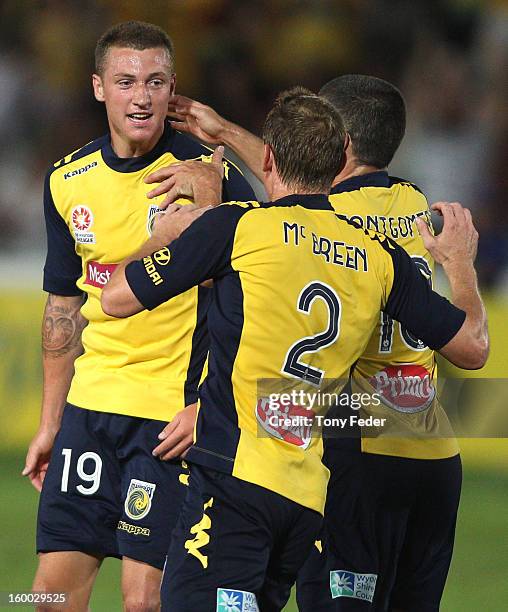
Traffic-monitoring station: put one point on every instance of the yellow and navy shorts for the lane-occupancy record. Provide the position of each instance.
(105, 494)
(237, 546)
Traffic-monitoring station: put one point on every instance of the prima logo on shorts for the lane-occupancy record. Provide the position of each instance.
(231, 600)
(350, 584)
(138, 500)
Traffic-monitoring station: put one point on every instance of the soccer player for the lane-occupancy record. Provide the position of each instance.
(104, 493)
(296, 297)
(392, 499)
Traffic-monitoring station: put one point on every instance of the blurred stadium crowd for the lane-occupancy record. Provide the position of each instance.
(449, 58)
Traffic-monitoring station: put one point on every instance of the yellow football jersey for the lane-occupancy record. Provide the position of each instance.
(395, 364)
(288, 279)
(97, 213)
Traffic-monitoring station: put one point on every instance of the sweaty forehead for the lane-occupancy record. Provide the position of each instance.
(133, 61)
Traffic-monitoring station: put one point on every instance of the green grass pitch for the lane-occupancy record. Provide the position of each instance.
(477, 580)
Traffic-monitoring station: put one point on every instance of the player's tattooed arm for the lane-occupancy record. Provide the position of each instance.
(62, 325)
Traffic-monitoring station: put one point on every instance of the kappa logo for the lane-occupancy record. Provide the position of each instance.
(201, 537)
(232, 600)
(138, 500)
(162, 256)
(82, 220)
(79, 171)
(291, 423)
(405, 388)
(350, 584)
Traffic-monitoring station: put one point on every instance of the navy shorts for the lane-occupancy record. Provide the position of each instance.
(387, 537)
(237, 546)
(105, 494)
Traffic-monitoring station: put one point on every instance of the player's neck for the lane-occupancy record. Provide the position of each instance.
(125, 148)
(354, 168)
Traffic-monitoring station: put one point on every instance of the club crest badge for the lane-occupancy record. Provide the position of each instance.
(138, 500)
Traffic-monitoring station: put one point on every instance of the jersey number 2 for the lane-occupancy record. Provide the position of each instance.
(312, 344)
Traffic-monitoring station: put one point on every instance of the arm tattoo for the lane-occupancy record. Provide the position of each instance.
(62, 325)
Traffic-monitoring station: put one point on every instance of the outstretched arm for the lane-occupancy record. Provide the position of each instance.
(205, 124)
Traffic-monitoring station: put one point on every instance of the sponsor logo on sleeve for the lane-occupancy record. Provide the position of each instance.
(73, 173)
(232, 600)
(405, 388)
(151, 270)
(98, 274)
(350, 584)
(289, 422)
(82, 220)
(162, 256)
(138, 500)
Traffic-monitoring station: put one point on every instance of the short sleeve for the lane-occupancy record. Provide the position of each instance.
(63, 265)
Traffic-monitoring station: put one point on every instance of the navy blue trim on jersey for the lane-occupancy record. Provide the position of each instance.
(220, 428)
(199, 348)
(372, 179)
(133, 164)
(88, 149)
(63, 265)
(313, 201)
(412, 302)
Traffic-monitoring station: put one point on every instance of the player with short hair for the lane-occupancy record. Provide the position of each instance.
(105, 493)
(297, 293)
(392, 498)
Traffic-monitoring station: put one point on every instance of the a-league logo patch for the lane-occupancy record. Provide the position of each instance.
(350, 584)
(231, 600)
(138, 500)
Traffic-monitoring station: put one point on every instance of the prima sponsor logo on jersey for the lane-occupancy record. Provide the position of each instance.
(82, 220)
(350, 584)
(79, 171)
(405, 388)
(138, 500)
(98, 274)
(133, 529)
(289, 422)
(232, 600)
(151, 270)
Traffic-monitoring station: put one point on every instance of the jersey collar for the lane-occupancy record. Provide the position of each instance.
(373, 179)
(316, 201)
(133, 164)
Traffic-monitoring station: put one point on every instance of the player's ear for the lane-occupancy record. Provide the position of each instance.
(98, 88)
(172, 84)
(267, 158)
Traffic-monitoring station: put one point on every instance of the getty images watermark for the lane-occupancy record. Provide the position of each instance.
(297, 408)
